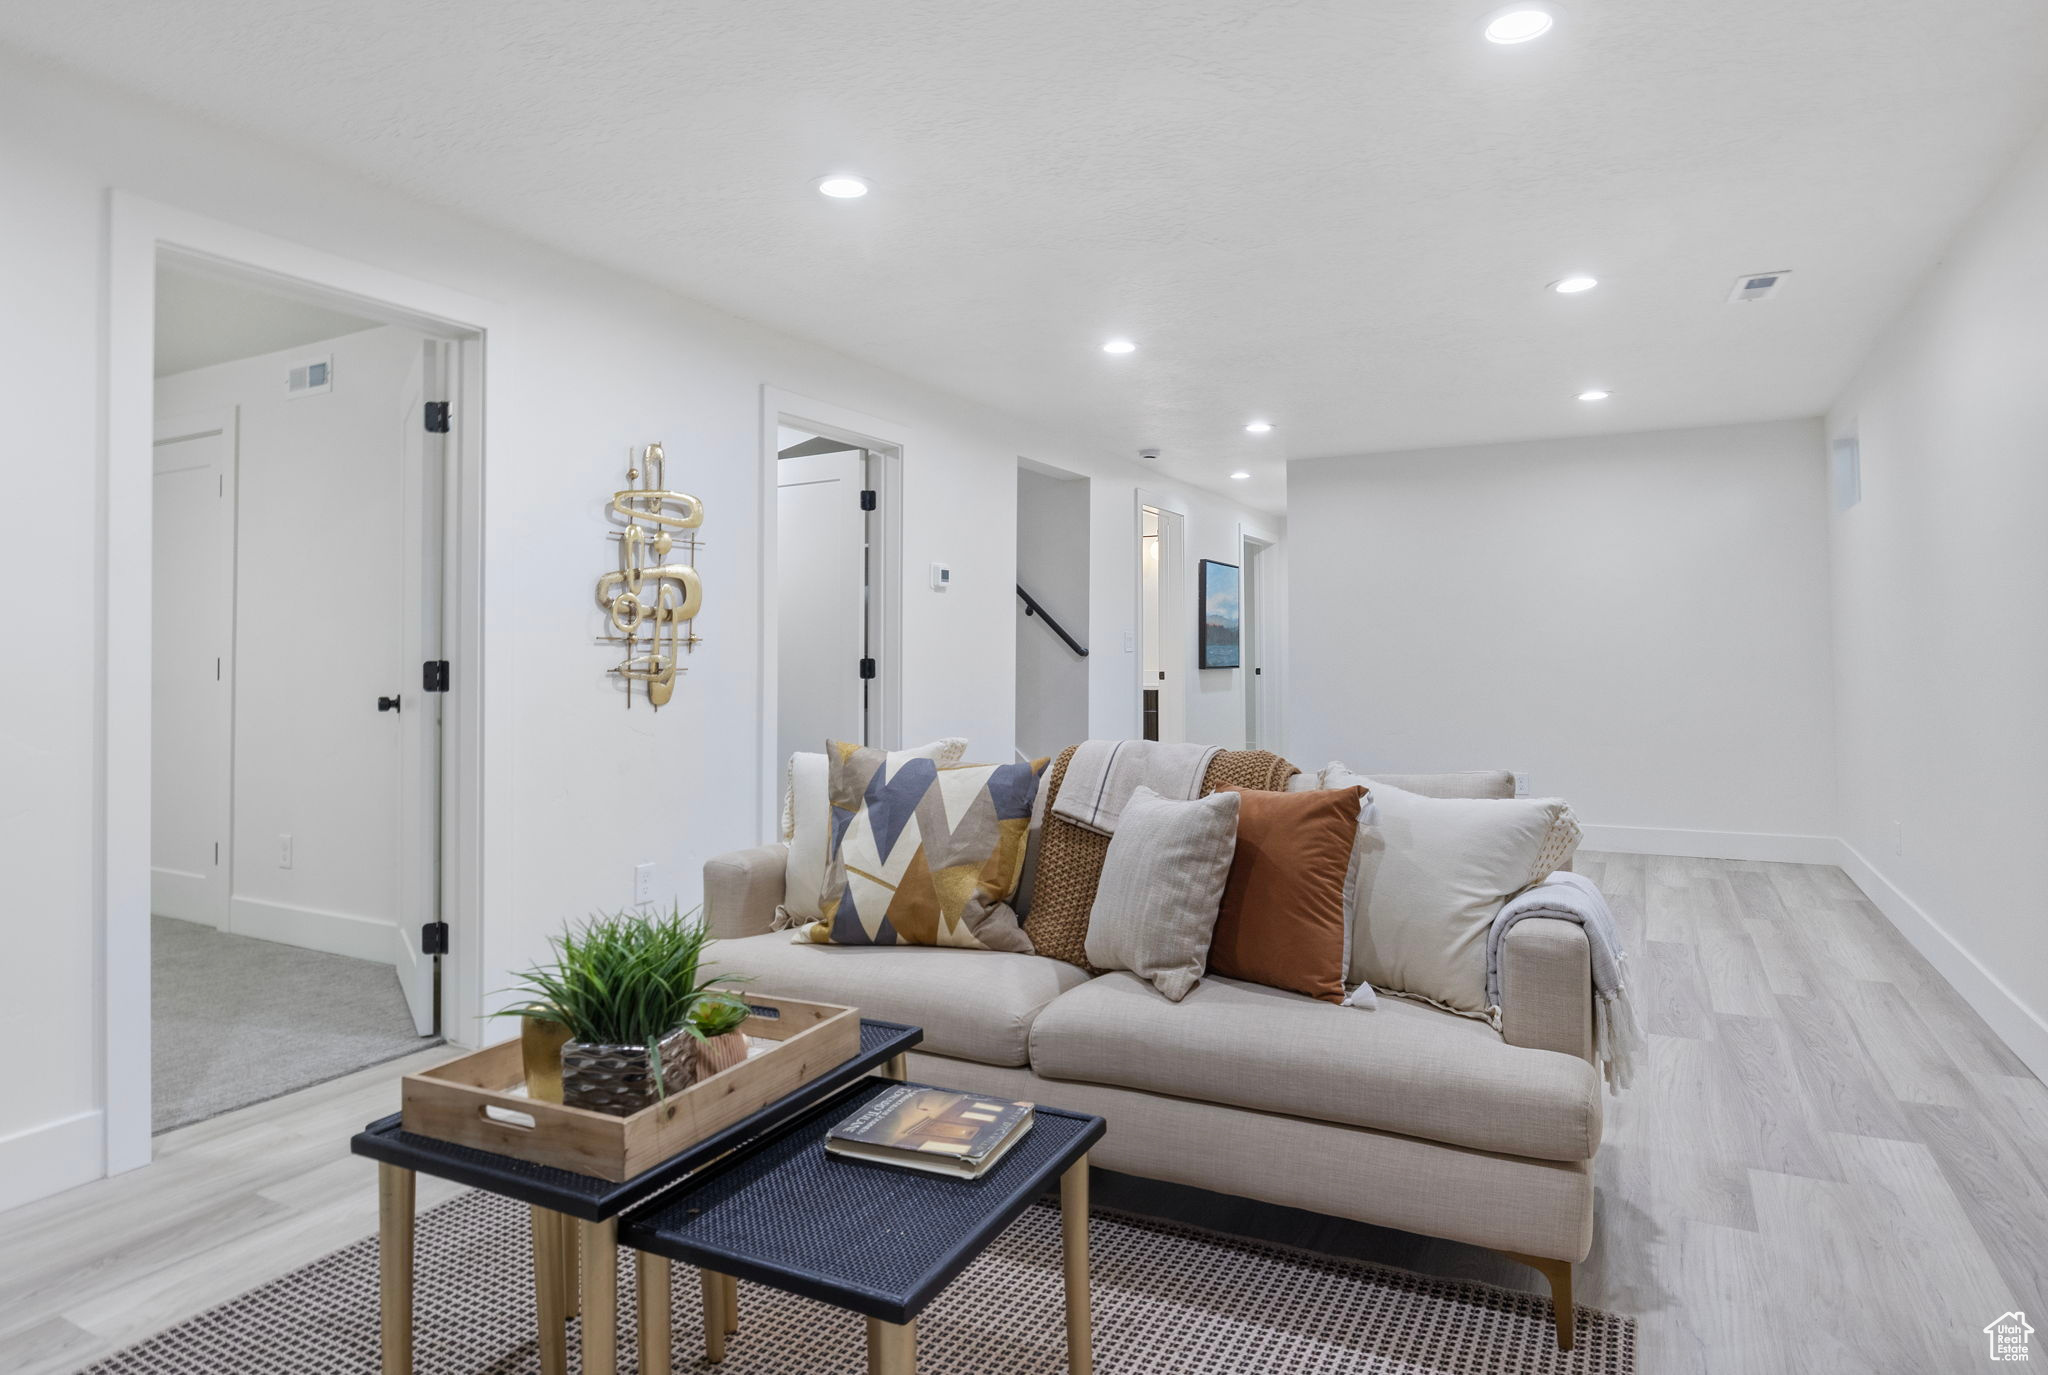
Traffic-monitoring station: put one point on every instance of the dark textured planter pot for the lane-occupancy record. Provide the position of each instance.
(618, 1079)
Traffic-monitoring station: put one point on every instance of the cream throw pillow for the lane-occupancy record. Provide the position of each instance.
(1428, 876)
(807, 824)
(1162, 884)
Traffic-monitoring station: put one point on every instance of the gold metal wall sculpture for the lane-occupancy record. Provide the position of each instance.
(654, 596)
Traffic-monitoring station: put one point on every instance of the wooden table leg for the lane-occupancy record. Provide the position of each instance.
(651, 1275)
(897, 1068)
(571, 1238)
(732, 1303)
(600, 1241)
(394, 1266)
(712, 1285)
(1074, 1243)
(892, 1350)
(550, 1289)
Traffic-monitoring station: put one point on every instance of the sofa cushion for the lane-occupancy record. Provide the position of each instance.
(807, 821)
(1162, 882)
(1404, 1067)
(1428, 876)
(973, 1004)
(1282, 918)
(924, 853)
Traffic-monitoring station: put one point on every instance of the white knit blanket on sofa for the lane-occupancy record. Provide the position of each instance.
(1617, 1036)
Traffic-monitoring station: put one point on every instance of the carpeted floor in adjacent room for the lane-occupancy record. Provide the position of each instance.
(235, 1020)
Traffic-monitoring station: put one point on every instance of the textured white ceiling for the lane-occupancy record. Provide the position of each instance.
(202, 319)
(1339, 216)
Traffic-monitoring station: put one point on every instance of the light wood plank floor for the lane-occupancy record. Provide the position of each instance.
(1828, 1164)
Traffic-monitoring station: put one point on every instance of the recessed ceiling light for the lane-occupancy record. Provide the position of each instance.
(1594, 395)
(842, 188)
(1119, 346)
(1519, 24)
(1239, 477)
(1572, 286)
(1259, 427)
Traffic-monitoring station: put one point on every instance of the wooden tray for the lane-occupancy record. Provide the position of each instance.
(479, 1101)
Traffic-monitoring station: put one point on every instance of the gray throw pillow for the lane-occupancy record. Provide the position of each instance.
(1162, 883)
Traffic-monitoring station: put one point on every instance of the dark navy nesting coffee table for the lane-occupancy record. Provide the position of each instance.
(878, 1240)
(576, 1217)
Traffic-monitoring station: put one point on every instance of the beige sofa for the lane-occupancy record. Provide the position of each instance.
(1403, 1116)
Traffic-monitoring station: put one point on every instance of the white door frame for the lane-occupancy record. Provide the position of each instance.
(138, 229)
(1174, 603)
(889, 440)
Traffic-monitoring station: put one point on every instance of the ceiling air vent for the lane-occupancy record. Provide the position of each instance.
(309, 377)
(1757, 286)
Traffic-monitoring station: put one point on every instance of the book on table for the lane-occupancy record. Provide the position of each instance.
(958, 1134)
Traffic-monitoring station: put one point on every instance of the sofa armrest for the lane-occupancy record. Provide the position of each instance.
(742, 889)
(1546, 987)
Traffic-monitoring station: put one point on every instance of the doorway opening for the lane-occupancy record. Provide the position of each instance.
(1052, 609)
(303, 507)
(1252, 618)
(835, 678)
(1164, 624)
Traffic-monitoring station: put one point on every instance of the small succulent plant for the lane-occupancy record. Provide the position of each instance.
(717, 1013)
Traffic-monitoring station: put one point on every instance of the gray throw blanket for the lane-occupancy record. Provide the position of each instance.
(1103, 774)
(1617, 1036)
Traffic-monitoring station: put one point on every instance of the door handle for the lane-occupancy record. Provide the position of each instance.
(387, 704)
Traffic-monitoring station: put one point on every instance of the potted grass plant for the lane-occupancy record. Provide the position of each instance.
(636, 1006)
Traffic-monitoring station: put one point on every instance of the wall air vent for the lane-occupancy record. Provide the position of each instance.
(309, 377)
(1757, 286)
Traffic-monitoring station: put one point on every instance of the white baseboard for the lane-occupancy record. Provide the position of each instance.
(48, 1159)
(1765, 846)
(337, 933)
(2019, 1026)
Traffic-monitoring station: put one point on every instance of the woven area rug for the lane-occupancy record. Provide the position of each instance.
(1169, 1300)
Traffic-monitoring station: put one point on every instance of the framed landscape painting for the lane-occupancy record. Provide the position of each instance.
(1222, 624)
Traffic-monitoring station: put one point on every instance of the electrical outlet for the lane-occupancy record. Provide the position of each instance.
(643, 883)
(1522, 785)
(284, 850)
(1130, 642)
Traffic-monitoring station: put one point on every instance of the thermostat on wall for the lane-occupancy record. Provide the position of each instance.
(942, 577)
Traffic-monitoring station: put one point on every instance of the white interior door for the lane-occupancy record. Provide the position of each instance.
(821, 550)
(192, 667)
(424, 478)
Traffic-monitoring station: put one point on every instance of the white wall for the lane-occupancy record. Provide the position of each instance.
(1638, 622)
(1941, 613)
(582, 363)
(1052, 565)
(319, 625)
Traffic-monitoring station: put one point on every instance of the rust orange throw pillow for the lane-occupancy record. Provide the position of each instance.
(1282, 920)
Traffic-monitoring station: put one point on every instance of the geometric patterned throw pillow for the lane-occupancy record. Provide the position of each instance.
(924, 854)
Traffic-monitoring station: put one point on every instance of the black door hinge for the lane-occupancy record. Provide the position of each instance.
(867, 499)
(434, 675)
(434, 938)
(867, 668)
(437, 417)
